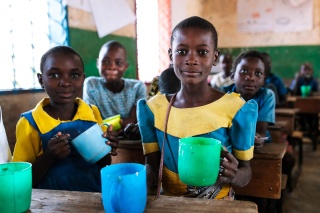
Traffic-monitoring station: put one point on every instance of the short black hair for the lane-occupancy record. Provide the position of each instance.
(268, 61)
(169, 83)
(65, 50)
(200, 23)
(113, 44)
(247, 54)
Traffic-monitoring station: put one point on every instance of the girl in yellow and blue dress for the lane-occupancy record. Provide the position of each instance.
(43, 133)
(198, 110)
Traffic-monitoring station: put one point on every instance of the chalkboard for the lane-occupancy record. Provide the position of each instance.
(286, 60)
(88, 44)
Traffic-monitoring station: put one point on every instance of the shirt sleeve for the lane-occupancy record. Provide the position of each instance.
(142, 92)
(28, 145)
(267, 108)
(147, 127)
(88, 95)
(243, 130)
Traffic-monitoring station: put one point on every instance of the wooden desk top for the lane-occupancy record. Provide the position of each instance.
(286, 111)
(69, 201)
(270, 151)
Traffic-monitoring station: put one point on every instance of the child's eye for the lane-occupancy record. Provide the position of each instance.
(258, 73)
(243, 71)
(105, 62)
(54, 75)
(203, 52)
(182, 52)
(119, 63)
(75, 75)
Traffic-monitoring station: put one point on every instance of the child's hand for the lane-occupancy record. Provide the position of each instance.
(113, 140)
(257, 142)
(58, 146)
(229, 167)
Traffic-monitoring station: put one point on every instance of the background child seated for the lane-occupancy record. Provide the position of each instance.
(223, 78)
(112, 93)
(43, 133)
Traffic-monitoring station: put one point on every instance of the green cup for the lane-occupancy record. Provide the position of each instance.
(115, 121)
(15, 187)
(305, 90)
(199, 160)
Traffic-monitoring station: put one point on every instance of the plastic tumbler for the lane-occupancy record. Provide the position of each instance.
(15, 187)
(199, 160)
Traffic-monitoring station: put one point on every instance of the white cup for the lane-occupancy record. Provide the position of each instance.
(91, 145)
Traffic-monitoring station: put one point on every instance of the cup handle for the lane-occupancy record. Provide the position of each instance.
(115, 195)
(105, 124)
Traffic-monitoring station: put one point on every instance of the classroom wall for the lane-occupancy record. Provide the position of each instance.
(288, 50)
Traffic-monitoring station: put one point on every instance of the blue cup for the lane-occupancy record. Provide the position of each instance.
(124, 188)
(91, 145)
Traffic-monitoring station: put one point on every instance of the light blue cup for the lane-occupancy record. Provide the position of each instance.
(91, 145)
(124, 188)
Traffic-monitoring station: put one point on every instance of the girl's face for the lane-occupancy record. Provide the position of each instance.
(249, 77)
(62, 77)
(112, 63)
(192, 54)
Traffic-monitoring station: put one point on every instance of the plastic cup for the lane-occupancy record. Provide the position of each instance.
(91, 145)
(199, 160)
(124, 188)
(305, 90)
(115, 121)
(15, 187)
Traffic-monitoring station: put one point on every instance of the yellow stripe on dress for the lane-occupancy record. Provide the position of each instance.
(184, 122)
(150, 147)
(243, 155)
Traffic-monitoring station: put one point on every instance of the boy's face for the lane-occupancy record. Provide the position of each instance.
(225, 63)
(112, 63)
(192, 54)
(306, 71)
(62, 77)
(249, 77)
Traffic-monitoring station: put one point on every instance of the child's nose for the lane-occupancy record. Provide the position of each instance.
(112, 65)
(65, 82)
(250, 76)
(192, 59)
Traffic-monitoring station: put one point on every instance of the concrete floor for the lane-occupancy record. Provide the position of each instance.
(305, 197)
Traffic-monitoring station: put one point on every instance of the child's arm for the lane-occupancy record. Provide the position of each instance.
(236, 172)
(131, 119)
(58, 148)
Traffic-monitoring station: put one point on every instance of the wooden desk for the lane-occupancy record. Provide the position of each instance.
(68, 201)
(287, 115)
(129, 151)
(266, 172)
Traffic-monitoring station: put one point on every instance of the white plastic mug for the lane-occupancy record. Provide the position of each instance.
(91, 145)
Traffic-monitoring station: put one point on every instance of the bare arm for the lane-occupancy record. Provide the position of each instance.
(236, 172)
(152, 163)
(261, 131)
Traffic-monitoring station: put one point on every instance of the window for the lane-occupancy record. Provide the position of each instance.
(28, 29)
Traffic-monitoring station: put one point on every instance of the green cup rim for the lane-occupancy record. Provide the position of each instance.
(29, 165)
(202, 142)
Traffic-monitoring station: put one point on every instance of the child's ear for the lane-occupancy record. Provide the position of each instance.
(216, 55)
(127, 65)
(40, 80)
(232, 75)
(170, 54)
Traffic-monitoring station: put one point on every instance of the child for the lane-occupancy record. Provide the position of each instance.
(274, 81)
(223, 78)
(249, 76)
(112, 93)
(43, 133)
(305, 78)
(197, 110)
